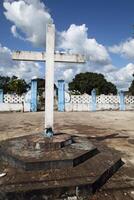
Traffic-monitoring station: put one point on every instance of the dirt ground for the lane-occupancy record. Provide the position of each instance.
(112, 128)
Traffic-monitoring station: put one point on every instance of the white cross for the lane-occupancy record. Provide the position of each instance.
(50, 57)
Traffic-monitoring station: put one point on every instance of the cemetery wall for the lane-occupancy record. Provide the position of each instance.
(26, 102)
(102, 102)
(14, 102)
(129, 102)
(10, 107)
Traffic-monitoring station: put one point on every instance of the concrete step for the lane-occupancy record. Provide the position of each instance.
(60, 152)
(86, 177)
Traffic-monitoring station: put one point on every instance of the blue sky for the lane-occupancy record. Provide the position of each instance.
(106, 37)
(109, 21)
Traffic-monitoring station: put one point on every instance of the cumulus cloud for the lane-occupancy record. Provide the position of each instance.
(76, 40)
(121, 77)
(32, 28)
(125, 49)
(68, 74)
(25, 70)
(29, 18)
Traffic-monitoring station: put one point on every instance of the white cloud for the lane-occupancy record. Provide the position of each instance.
(76, 40)
(68, 74)
(25, 70)
(121, 77)
(125, 49)
(30, 18)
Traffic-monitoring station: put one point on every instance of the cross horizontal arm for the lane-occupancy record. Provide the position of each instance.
(69, 58)
(41, 56)
(28, 56)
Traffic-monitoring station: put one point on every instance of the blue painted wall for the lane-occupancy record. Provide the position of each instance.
(1, 96)
(34, 95)
(122, 100)
(61, 95)
(93, 93)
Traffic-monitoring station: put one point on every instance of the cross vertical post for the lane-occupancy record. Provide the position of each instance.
(49, 80)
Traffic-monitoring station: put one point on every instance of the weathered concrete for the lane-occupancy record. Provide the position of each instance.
(49, 78)
(41, 57)
(86, 177)
(38, 153)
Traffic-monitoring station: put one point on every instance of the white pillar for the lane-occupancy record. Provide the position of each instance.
(49, 78)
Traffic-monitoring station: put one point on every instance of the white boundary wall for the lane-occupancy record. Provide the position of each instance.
(9, 107)
(14, 102)
(78, 103)
(103, 102)
(129, 102)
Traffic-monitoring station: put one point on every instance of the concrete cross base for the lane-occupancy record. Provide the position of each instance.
(39, 143)
(77, 168)
(35, 152)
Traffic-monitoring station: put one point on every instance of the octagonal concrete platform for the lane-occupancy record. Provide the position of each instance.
(86, 177)
(76, 166)
(35, 152)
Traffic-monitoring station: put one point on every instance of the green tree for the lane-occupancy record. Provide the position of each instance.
(85, 82)
(131, 89)
(13, 85)
(4, 80)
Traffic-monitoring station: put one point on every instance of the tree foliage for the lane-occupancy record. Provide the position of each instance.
(86, 82)
(4, 80)
(131, 89)
(13, 85)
